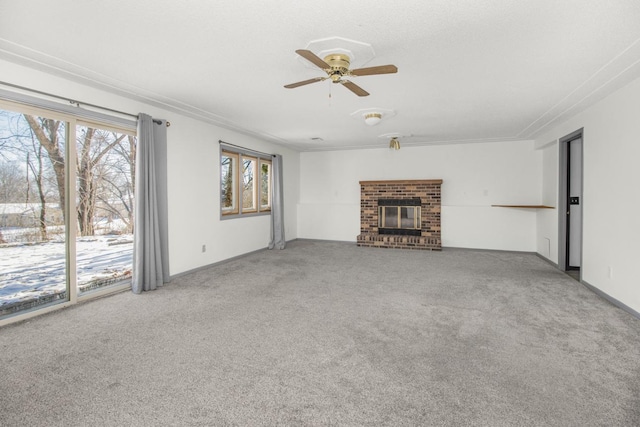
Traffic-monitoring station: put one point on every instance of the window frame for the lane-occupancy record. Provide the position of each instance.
(243, 189)
(258, 159)
(267, 207)
(235, 205)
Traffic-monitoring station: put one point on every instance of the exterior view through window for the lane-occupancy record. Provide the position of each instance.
(245, 183)
(42, 261)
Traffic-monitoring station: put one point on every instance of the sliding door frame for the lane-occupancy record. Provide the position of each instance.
(71, 282)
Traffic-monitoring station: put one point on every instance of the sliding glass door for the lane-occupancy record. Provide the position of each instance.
(66, 210)
(33, 237)
(104, 207)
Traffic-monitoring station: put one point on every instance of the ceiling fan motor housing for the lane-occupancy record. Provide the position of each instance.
(339, 64)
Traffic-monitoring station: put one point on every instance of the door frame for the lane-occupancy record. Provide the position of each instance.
(563, 195)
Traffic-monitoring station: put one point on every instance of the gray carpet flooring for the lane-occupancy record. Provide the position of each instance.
(327, 333)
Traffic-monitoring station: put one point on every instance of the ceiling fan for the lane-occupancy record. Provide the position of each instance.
(336, 66)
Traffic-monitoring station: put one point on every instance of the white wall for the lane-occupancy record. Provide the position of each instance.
(475, 176)
(194, 198)
(611, 229)
(193, 169)
(547, 220)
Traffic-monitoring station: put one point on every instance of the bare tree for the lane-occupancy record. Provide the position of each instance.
(24, 183)
(227, 181)
(247, 178)
(11, 186)
(47, 131)
(93, 146)
(97, 169)
(14, 187)
(37, 169)
(117, 195)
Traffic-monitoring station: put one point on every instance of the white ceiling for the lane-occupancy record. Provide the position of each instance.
(479, 70)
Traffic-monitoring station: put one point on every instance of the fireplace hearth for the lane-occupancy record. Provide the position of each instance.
(400, 214)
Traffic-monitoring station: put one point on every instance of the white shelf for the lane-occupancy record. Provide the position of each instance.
(524, 206)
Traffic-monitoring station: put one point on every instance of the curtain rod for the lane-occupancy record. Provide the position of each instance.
(77, 103)
(244, 148)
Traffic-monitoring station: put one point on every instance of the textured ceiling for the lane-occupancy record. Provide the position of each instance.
(467, 70)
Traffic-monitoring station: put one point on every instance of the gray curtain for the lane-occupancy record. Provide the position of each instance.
(277, 206)
(150, 236)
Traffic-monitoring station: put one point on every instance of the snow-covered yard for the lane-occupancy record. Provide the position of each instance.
(33, 272)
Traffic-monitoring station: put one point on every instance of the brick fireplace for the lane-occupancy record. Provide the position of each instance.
(416, 225)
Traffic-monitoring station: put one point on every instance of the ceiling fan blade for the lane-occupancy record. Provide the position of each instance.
(311, 57)
(305, 82)
(380, 69)
(354, 88)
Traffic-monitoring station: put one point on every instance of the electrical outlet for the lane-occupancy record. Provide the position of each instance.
(610, 272)
(204, 248)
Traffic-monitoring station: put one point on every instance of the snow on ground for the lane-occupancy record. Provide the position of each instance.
(29, 271)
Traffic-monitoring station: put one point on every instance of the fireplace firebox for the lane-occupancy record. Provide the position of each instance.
(399, 216)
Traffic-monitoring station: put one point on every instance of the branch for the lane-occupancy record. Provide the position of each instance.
(106, 150)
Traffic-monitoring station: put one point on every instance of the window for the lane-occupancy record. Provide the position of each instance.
(229, 182)
(265, 185)
(245, 183)
(249, 199)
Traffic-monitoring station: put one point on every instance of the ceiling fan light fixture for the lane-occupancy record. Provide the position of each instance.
(372, 119)
(394, 144)
(373, 115)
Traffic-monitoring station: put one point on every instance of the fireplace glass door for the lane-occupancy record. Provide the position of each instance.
(398, 218)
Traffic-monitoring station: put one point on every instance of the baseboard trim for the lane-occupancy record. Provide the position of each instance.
(508, 251)
(597, 291)
(213, 264)
(611, 299)
(544, 258)
(303, 239)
